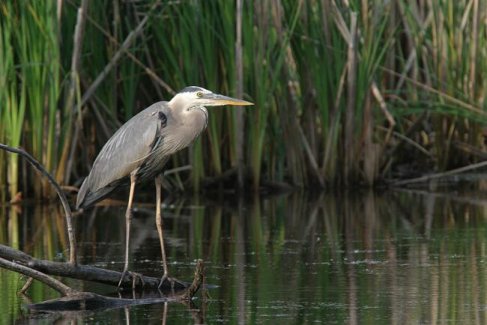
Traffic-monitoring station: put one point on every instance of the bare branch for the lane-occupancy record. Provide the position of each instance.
(86, 272)
(53, 283)
(440, 175)
(60, 193)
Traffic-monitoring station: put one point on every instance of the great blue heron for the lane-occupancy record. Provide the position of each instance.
(139, 150)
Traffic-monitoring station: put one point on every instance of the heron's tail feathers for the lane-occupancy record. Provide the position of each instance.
(87, 197)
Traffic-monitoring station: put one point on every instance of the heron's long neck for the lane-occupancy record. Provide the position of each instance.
(198, 119)
(193, 122)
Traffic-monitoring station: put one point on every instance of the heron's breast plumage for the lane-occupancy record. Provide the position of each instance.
(177, 130)
(184, 128)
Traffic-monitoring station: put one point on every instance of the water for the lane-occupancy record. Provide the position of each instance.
(400, 257)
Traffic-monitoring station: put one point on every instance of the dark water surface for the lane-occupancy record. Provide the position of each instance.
(400, 257)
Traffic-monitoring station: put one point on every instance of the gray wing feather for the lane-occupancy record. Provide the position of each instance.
(123, 153)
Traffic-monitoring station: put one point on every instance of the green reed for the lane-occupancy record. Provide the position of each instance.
(450, 59)
(31, 84)
(12, 100)
(326, 113)
(40, 67)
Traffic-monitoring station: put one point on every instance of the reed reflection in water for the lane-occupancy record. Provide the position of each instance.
(393, 258)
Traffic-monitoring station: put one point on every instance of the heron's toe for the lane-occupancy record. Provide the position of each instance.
(136, 278)
(124, 272)
(165, 277)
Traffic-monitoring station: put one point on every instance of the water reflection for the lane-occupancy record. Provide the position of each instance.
(402, 257)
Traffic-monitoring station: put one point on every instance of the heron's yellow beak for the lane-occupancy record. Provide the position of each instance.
(219, 100)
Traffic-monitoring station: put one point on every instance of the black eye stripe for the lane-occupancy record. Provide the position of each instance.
(190, 89)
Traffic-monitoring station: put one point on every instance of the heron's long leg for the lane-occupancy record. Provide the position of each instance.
(159, 225)
(128, 220)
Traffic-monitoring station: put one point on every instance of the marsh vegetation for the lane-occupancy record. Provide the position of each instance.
(347, 93)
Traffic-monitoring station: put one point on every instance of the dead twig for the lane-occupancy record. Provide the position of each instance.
(67, 210)
(312, 160)
(352, 61)
(87, 272)
(440, 175)
(472, 108)
(50, 281)
(124, 50)
(240, 120)
(66, 161)
(72, 299)
(26, 285)
(197, 281)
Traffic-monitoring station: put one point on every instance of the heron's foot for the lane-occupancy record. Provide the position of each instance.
(165, 278)
(136, 277)
(124, 272)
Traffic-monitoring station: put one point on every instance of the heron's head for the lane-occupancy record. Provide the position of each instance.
(197, 97)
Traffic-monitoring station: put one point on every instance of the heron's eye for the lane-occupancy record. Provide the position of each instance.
(199, 94)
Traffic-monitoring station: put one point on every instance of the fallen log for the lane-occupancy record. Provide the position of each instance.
(90, 273)
(80, 301)
(74, 300)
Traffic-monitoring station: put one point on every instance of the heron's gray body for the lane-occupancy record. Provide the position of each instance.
(143, 144)
(139, 150)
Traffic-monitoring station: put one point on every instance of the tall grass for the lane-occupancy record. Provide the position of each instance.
(39, 59)
(345, 92)
(450, 56)
(31, 84)
(12, 99)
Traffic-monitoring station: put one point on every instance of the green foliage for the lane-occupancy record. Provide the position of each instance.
(30, 85)
(333, 105)
(12, 99)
